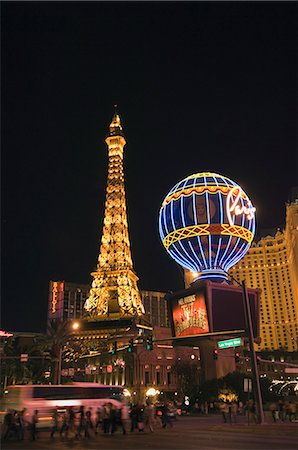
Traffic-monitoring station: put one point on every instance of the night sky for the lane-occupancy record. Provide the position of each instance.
(199, 86)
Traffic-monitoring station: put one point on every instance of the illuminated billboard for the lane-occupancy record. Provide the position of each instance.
(207, 224)
(190, 315)
(210, 307)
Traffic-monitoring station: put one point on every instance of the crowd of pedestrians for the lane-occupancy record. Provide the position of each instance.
(108, 419)
(284, 410)
(84, 424)
(229, 411)
(16, 424)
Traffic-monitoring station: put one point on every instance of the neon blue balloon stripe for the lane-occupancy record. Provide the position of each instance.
(208, 221)
(242, 250)
(182, 206)
(221, 221)
(195, 256)
(198, 238)
(184, 258)
(189, 261)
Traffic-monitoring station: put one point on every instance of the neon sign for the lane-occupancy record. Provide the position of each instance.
(206, 224)
(234, 206)
(54, 297)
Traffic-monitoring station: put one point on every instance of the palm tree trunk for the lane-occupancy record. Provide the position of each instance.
(57, 366)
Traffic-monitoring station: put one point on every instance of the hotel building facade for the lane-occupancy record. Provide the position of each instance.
(140, 370)
(271, 264)
(67, 299)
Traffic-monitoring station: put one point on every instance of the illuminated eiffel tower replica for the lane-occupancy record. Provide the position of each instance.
(113, 309)
(114, 292)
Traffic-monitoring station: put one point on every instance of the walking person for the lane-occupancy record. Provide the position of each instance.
(106, 418)
(70, 419)
(274, 411)
(23, 423)
(18, 425)
(98, 421)
(224, 409)
(9, 425)
(113, 418)
(55, 423)
(150, 416)
(233, 412)
(281, 410)
(286, 410)
(140, 418)
(165, 418)
(292, 411)
(64, 426)
(121, 419)
(88, 423)
(134, 418)
(81, 422)
(33, 424)
(251, 409)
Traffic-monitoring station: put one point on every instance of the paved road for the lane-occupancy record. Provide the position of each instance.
(201, 433)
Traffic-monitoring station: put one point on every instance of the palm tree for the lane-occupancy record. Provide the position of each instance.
(54, 342)
(20, 372)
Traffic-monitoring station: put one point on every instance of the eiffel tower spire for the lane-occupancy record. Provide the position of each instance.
(114, 290)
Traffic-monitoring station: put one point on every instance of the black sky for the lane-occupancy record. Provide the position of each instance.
(199, 86)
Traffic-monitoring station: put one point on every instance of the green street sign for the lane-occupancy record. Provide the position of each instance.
(236, 342)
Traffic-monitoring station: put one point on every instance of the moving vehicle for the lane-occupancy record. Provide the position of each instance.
(45, 398)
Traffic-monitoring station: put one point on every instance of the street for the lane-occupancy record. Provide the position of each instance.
(204, 433)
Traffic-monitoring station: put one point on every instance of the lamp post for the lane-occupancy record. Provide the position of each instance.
(253, 358)
(254, 366)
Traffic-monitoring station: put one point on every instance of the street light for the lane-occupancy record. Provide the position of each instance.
(254, 366)
(151, 392)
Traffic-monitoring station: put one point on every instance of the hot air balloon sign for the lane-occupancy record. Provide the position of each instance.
(207, 224)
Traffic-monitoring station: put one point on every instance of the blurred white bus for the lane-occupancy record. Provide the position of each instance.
(45, 398)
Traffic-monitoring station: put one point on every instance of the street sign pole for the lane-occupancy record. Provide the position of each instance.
(254, 365)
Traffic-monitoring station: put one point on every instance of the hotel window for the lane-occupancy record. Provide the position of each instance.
(157, 377)
(147, 378)
(169, 378)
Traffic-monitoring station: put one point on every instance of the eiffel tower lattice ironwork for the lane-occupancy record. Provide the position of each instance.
(114, 292)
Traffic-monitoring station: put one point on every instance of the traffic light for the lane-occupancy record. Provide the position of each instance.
(149, 343)
(215, 354)
(237, 357)
(114, 349)
(130, 348)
